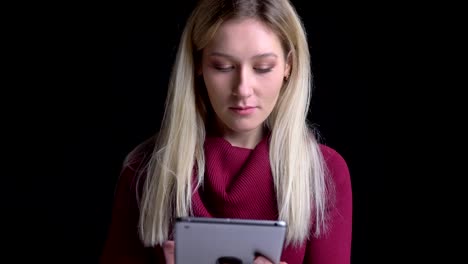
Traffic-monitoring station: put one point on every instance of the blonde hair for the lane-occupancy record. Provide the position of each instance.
(296, 161)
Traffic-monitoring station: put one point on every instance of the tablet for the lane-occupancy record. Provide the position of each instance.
(227, 240)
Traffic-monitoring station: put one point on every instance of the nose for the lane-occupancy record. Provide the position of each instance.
(243, 85)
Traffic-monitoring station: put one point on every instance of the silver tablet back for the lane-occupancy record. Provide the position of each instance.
(223, 240)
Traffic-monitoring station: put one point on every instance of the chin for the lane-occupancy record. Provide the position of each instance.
(244, 128)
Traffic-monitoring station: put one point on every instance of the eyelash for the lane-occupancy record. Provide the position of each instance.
(263, 70)
(224, 69)
(228, 69)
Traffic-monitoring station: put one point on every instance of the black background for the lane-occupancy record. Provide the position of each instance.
(109, 72)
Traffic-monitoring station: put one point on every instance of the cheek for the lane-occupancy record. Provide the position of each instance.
(212, 85)
(217, 90)
(272, 87)
(217, 83)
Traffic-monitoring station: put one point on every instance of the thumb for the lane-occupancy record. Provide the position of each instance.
(168, 248)
(263, 260)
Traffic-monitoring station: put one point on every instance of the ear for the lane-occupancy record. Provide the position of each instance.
(288, 65)
(198, 66)
(199, 70)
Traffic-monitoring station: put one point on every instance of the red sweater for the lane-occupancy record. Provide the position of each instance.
(238, 184)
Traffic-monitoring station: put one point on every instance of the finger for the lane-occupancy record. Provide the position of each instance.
(261, 260)
(168, 248)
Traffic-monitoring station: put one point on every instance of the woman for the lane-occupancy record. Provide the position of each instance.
(235, 142)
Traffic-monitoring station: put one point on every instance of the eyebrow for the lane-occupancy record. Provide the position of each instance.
(261, 55)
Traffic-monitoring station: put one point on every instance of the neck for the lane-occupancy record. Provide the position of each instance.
(248, 139)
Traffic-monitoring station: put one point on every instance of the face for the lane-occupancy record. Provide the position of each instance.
(244, 68)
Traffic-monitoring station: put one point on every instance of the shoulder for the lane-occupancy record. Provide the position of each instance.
(335, 163)
(134, 164)
(331, 155)
(139, 155)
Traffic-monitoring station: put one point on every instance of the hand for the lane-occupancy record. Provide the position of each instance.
(263, 260)
(168, 248)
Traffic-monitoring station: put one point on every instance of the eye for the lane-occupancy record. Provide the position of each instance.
(223, 68)
(263, 70)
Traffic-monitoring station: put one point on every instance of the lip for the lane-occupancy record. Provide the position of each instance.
(243, 110)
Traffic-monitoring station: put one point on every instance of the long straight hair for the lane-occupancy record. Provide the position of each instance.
(298, 169)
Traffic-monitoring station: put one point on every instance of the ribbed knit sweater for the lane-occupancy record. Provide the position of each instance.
(238, 184)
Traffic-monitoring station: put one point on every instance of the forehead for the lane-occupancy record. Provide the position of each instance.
(245, 38)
